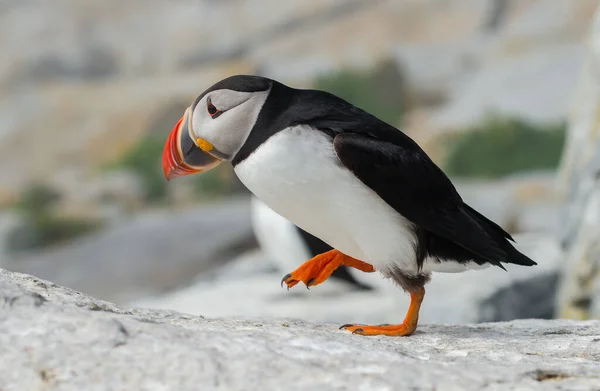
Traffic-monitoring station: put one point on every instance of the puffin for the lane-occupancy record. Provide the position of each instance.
(288, 245)
(357, 183)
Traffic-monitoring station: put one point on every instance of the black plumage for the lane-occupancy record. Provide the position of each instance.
(414, 186)
(391, 164)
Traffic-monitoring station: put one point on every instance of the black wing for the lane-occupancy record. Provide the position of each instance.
(400, 172)
(405, 178)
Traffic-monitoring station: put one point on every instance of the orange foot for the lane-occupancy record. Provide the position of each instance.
(397, 330)
(318, 269)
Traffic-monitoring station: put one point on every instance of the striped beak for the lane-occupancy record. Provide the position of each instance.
(184, 156)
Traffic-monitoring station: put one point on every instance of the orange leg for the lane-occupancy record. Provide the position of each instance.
(318, 269)
(397, 330)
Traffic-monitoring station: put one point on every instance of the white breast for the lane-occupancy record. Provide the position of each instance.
(297, 174)
(277, 237)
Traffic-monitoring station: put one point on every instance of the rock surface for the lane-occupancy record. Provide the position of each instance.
(53, 338)
(519, 203)
(580, 175)
(513, 86)
(152, 253)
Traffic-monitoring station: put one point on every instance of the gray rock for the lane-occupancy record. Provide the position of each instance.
(532, 298)
(536, 86)
(548, 18)
(521, 68)
(580, 178)
(108, 196)
(151, 253)
(495, 295)
(433, 69)
(11, 222)
(520, 203)
(95, 63)
(53, 338)
(56, 80)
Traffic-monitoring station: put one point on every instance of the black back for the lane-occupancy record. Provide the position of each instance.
(241, 83)
(395, 167)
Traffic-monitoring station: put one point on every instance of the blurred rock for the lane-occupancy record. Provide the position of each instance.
(580, 176)
(526, 66)
(535, 22)
(106, 195)
(536, 86)
(153, 252)
(11, 222)
(95, 63)
(433, 69)
(54, 338)
(527, 69)
(97, 77)
(508, 303)
(18, 236)
(520, 203)
(493, 294)
(250, 287)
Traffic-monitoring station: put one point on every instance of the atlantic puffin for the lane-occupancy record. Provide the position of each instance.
(352, 180)
(288, 245)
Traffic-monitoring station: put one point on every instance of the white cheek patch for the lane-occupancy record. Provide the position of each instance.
(228, 132)
(225, 100)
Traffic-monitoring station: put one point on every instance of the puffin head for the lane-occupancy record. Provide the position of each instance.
(215, 127)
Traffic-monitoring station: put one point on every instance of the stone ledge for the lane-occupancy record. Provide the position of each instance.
(55, 338)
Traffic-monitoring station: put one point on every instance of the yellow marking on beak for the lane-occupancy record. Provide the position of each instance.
(204, 145)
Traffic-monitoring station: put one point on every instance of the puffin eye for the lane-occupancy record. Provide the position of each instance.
(212, 110)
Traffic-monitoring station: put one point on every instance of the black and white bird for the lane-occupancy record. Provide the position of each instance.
(355, 182)
(289, 246)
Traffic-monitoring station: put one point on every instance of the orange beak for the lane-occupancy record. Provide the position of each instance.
(184, 156)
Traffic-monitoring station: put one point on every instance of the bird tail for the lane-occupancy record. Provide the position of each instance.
(501, 237)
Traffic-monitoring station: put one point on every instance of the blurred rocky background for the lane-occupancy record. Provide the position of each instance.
(503, 94)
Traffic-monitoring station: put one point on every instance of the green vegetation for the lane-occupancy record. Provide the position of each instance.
(501, 146)
(145, 159)
(215, 182)
(50, 230)
(43, 227)
(37, 199)
(380, 90)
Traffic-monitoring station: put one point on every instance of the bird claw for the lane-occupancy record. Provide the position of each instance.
(382, 329)
(291, 282)
(291, 279)
(357, 330)
(314, 271)
(285, 278)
